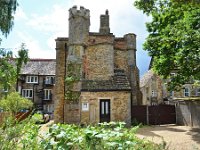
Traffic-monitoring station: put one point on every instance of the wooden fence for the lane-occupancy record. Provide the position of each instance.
(19, 116)
(188, 113)
(154, 115)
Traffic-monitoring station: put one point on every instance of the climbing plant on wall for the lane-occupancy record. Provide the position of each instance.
(72, 79)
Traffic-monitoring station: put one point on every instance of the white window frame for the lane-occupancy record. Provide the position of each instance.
(31, 79)
(154, 93)
(198, 92)
(47, 94)
(186, 93)
(27, 93)
(48, 108)
(171, 93)
(49, 79)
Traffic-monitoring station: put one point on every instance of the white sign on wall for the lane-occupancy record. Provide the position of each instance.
(85, 106)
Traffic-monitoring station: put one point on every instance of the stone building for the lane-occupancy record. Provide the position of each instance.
(36, 82)
(97, 78)
(154, 88)
(151, 86)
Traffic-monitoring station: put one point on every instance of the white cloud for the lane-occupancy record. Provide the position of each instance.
(34, 47)
(20, 14)
(54, 21)
(124, 17)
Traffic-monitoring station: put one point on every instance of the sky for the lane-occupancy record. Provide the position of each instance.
(38, 23)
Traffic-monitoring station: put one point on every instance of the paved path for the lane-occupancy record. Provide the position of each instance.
(176, 137)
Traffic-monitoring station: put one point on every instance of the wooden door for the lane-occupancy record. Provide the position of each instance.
(104, 110)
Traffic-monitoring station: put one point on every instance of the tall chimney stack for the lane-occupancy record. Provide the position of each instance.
(104, 23)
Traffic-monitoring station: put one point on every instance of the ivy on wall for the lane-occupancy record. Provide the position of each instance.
(71, 81)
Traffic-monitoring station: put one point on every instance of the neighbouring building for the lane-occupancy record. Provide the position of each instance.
(97, 78)
(36, 82)
(151, 86)
(154, 89)
(189, 89)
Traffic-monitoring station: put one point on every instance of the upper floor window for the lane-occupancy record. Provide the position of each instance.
(171, 93)
(153, 93)
(31, 79)
(186, 92)
(198, 92)
(172, 74)
(47, 94)
(49, 80)
(27, 93)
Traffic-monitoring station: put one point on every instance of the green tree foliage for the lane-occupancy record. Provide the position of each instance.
(14, 103)
(174, 37)
(8, 8)
(10, 67)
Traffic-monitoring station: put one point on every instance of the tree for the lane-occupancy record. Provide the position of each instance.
(8, 8)
(174, 37)
(14, 103)
(10, 67)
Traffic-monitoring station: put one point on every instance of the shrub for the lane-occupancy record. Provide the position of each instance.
(109, 136)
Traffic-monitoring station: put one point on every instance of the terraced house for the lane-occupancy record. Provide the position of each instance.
(97, 78)
(36, 82)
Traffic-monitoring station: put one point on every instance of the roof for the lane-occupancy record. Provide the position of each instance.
(39, 66)
(146, 77)
(118, 82)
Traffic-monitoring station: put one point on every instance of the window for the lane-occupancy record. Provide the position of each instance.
(27, 93)
(171, 93)
(153, 93)
(49, 80)
(172, 76)
(186, 92)
(48, 108)
(198, 92)
(47, 94)
(32, 79)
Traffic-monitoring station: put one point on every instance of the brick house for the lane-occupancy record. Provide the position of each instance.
(36, 82)
(106, 67)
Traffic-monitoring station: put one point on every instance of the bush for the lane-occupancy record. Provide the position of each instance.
(104, 136)
(109, 136)
(37, 118)
(14, 102)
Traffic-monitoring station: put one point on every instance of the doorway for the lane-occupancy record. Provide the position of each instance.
(104, 110)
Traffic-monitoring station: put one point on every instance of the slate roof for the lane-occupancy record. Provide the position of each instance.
(39, 66)
(118, 82)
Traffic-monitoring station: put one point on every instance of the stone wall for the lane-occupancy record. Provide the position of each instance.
(61, 54)
(153, 83)
(120, 59)
(100, 60)
(119, 101)
(79, 23)
(72, 112)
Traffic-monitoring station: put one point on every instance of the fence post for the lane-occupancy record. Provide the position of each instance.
(176, 107)
(147, 110)
(190, 107)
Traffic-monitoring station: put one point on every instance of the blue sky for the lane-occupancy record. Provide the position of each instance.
(39, 22)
